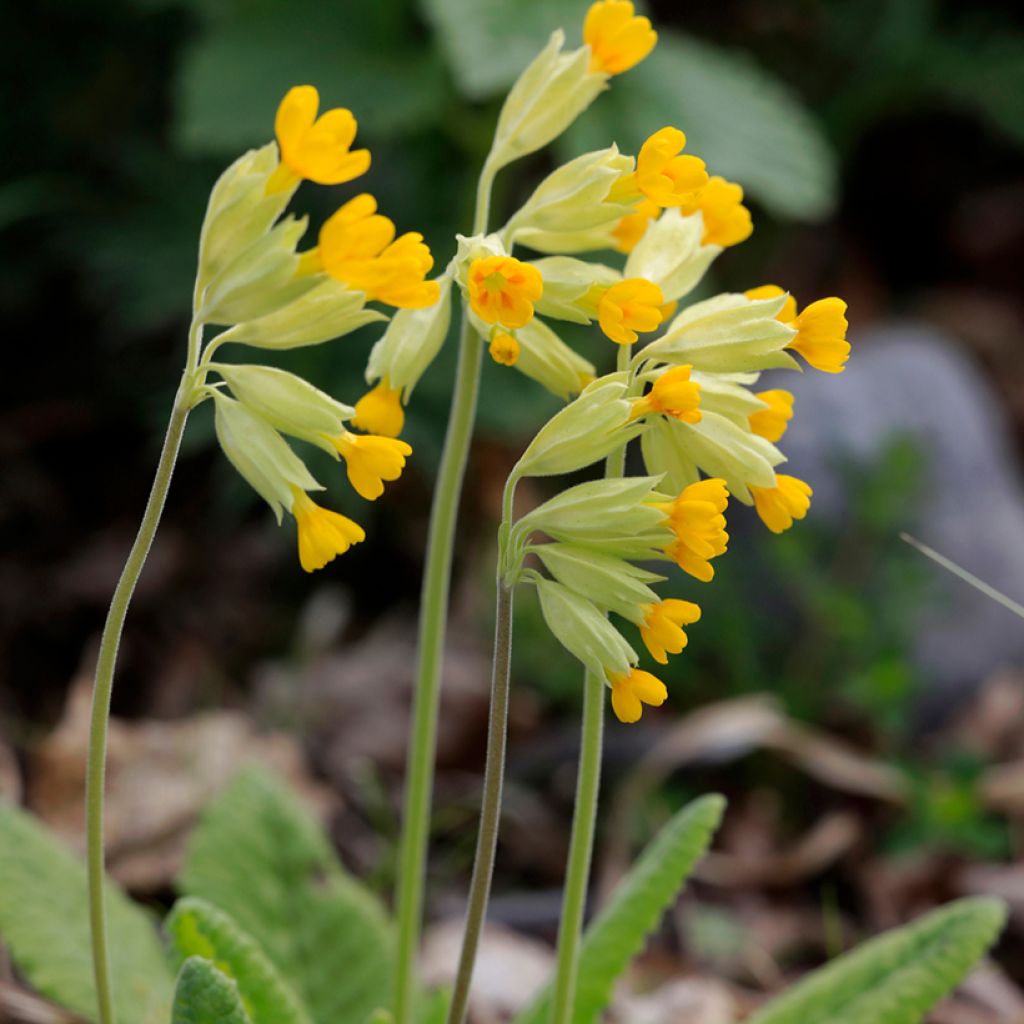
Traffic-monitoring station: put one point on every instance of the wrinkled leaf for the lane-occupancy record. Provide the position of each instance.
(205, 995)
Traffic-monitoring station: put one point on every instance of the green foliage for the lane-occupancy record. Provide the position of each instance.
(258, 856)
(44, 922)
(746, 124)
(204, 995)
(196, 928)
(896, 978)
(621, 929)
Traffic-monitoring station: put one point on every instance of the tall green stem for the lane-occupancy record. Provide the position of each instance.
(419, 773)
(104, 682)
(584, 819)
(490, 809)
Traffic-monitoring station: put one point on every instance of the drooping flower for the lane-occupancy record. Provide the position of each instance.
(726, 220)
(316, 148)
(323, 534)
(662, 629)
(664, 174)
(628, 307)
(631, 690)
(674, 394)
(771, 422)
(380, 410)
(504, 348)
(371, 459)
(618, 38)
(697, 519)
(502, 290)
(631, 228)
(778, 506)
(821, 328)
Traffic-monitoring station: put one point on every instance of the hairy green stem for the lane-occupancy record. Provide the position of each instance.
(104, 681)
(419, 773)
(490, 809)
(584, 819)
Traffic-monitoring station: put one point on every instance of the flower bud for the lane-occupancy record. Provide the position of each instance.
(728, 334)
(258, 281)
(327, 311)
(611, 583)
(545, 358)
(584, 631)
(671, 255)
(587, 429)
(411, 342)
(547, 97)
(285, 401)
(260, 455)
(571, 202)
(239, 211)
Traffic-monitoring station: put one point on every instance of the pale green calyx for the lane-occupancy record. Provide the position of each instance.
(569, 286)
(728, 333)
(285, 401)
(553, 90)
(611, 583)
(545, 358)
(586, 430)
(411, 342)
(328, 310)
(260, 454)
(671, 255)
(572, 203)
(584, 631)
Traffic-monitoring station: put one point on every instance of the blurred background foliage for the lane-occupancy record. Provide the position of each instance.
(880, 145)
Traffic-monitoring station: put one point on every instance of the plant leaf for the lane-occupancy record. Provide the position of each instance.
(258, 856)
(205, 995)
(746, 124)
(897, 977)
(619, 932)
(44, 921)
(197, 928)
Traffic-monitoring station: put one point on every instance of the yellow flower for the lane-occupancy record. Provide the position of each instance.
(617, 38)
(314, 147)
(821, 328)
(380, 411)
(502, 290)
(630, 306)
(632, 689)
(771, 423)
(778, 506)
(322, 533)
(370, 460)
(674, 394)
(726, 220)
(662, 630)
(663, 175)
(358, 248)
(697, 519)
(504, 349)
(631, 228)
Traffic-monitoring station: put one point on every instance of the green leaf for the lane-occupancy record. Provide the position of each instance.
(236, 73)
(198, 928)
(205, 995)
(44, 922)
(489, 44)
(620, 931)
(261, 858)
(897, 977)
(745, 123)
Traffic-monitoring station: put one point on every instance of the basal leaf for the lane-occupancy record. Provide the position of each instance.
(44, 922)
(205, 995)
(260, 857)
(897, 977)
(620, 931)
(197, 928)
